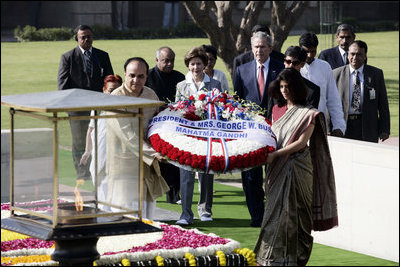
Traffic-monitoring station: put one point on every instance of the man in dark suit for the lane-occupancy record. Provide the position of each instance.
(83, 67)
(363, 93)
(337, 56)
(248, 56)
(163, 79)
(295, 57)
(251, 83)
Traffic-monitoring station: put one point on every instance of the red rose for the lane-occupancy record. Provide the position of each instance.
(191, 97)
(173, 156)
(239, 160)
(191, 116)
(201, 97)
(246, 160)
(232, 162)
(186, 154)
(169, 146)
(164, 151)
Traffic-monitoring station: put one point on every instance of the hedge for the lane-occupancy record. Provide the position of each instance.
(184, 30)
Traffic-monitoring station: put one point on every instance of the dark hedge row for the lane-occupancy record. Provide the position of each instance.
(185, 30)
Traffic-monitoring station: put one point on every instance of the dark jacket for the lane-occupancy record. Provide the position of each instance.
(72, 70)
(375, 107)
(332, 56)
(164, 84)
(248, 56)
(245, 84)
(313, 93)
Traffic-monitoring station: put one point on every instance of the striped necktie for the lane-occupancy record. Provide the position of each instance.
(88, 62)
(356, 99)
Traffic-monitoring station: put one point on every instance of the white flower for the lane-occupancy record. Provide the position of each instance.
(226, 114)
(125, 242)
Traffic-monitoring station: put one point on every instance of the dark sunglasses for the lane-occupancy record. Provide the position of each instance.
(294, 62)
(86, 37)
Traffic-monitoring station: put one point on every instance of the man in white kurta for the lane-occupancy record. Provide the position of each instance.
(123, 148)
(319, 72)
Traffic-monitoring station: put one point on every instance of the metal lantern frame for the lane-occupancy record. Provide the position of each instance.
(39, 105)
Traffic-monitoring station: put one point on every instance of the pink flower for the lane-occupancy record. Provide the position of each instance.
(174, 238)
(27, 243)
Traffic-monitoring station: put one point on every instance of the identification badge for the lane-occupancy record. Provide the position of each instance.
(372, 94)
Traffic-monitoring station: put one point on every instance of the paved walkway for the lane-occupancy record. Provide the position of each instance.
(162, 215)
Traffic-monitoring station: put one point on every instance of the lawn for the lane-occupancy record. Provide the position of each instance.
(232, 219)
(33, 66)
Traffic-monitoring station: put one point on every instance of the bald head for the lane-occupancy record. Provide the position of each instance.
(165, 59)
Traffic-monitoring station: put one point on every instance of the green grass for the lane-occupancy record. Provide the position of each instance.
(32, 66)
(232, 219)
(67, 171)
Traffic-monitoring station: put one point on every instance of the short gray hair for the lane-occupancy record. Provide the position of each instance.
(345, 27)
(261, 35)
(164, 48)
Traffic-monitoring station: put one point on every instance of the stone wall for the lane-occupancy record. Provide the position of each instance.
(367, 185)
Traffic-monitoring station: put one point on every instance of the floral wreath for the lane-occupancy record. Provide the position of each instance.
(212, 132)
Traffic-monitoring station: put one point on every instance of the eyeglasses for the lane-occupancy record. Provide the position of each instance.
(88, 37)
(294, 62)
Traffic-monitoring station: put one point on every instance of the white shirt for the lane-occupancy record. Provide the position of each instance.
(83, 50)
(220, 76)
(193, 88)
(320, 73)
(101, 144)
(351, 86)
(344, 54)
(265, 69)
(188, 87)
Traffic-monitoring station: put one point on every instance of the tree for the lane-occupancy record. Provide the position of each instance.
(215, 19)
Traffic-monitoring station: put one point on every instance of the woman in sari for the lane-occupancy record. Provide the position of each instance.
(300, 186)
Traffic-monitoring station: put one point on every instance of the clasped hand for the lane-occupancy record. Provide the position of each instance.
(271, 156)
(160, 157)
(383, 136)
(85, 157)
(337, 133)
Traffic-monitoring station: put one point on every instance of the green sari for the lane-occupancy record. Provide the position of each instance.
(300, 192)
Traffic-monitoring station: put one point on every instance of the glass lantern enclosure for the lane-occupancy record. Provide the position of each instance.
(55, 184)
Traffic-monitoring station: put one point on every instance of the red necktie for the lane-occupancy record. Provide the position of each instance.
(260, 81)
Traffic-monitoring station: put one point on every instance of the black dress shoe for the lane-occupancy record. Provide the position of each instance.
(172, 195)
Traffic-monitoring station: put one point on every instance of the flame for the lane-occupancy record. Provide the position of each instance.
(78, 196)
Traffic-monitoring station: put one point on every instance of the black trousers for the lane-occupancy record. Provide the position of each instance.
(171, 175)
(354, 127)
(78, 132)
(252, 182)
